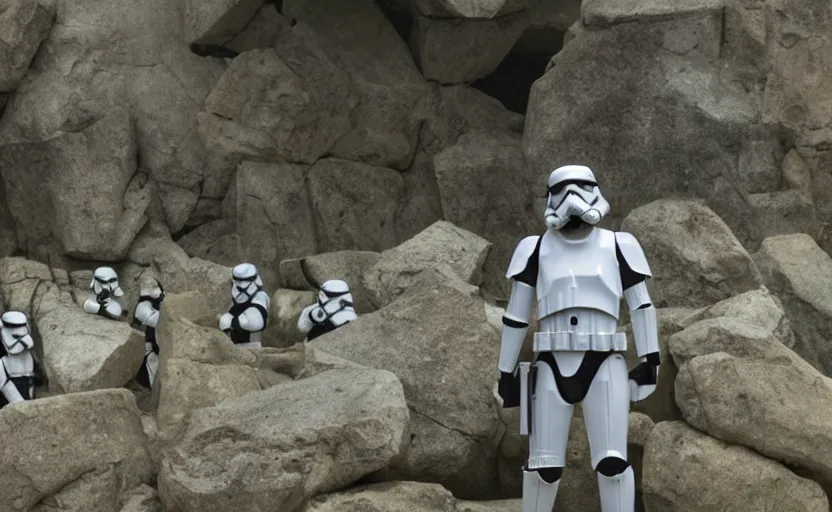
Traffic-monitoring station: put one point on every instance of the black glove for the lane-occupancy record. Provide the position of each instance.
(509, 389)
(646, 373)
(102, 296)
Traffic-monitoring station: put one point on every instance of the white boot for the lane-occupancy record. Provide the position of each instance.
(538, 495)
(618, 493)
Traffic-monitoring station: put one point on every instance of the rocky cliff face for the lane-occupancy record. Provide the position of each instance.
(403, 145)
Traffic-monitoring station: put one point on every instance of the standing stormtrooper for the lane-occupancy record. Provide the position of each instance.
(579, 274)
(19, 371)
(147, 316)
(249, 311)
(105, 290)
(333, 309)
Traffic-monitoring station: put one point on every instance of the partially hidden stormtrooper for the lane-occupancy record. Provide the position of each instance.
(249, 313)
(334, 308)
(147, 315)
(19, 371)
(578, 273)
(105, 292)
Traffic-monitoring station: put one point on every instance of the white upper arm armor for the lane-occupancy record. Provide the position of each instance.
(522, 253)
(305, 323)
(261, 298)
(146, 315)
(632, 252)
(91, 306)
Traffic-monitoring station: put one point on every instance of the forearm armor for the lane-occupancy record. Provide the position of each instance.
(515, 325)
(643, 321)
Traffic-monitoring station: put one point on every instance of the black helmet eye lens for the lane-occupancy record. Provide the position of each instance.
(558, 187)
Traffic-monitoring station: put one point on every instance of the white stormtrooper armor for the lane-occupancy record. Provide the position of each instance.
(19, 371)
(147, 316)
(249, 311)
(333, 309)
(578, 273)
(105, 290)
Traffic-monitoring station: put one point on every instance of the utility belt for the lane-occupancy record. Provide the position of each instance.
(579, 342)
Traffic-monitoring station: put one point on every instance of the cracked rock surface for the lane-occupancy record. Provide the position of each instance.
(304, 438)
(445, 369)
(99, 441)
(404, 146)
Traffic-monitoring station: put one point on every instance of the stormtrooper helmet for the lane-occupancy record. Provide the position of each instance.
(332, 289)
(573, 193)
(153, 290)
(105, 278)
(14, 332)
(245, 281)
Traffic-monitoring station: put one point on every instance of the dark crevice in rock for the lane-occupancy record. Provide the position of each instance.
(307, 275)
(278, 4)
(184, 231)
(211, 50)
(401, 21)
(512, 81)
(4, 99)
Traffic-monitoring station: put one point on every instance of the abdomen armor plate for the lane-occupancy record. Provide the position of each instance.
(19, 365)
(578, 274)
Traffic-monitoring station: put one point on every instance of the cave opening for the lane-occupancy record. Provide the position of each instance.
(511, 82)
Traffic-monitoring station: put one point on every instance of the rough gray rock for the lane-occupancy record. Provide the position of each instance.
(349, 215)
(198, 366)
(456, 51)
(615, 114)
(61, 176)
(437, 340)
(292, 104)
(275, 448)
(274, 216)
(800, 273)
(695, 258)
(24, 25)
(482, 9)
(135, 60)
(84, 352)
(685, 470)
(441, 246)
(217, 22)
(779, 410)
(486, 188)
(372, 57)
(99, 442)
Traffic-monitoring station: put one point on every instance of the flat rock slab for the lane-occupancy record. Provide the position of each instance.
(84, 434)
(84, 352)
(270, 450)
(611, 12)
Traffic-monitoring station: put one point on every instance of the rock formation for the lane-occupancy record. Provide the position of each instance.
(403, 146)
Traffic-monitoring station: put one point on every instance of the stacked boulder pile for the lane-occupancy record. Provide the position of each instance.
(173, 139)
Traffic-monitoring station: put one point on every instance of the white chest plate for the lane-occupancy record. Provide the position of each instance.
(578, 274)
(19, 365)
